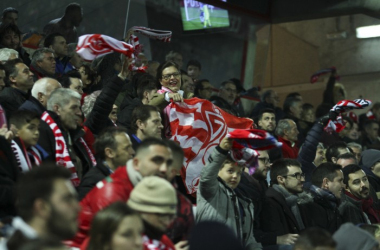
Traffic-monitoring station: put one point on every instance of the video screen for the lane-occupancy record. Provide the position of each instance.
(197, 16)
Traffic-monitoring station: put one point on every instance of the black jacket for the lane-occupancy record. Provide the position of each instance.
(126, 108)
(98, 118)
(307, 154)
(321, 213)
(11, 99)
(8, 176)
(47, 142)
(223, 104)
(93, 176)
(32, 104)
(276, 216)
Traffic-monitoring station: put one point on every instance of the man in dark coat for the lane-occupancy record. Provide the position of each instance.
(326, 189)
(113, 149)
(280, 214)
(20, 80)
(370, 163)
(269, 99)
(225, 99)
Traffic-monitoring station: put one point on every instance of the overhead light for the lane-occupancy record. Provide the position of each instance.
(368, 31)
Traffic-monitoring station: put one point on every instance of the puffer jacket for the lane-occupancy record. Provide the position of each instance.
(217, 202)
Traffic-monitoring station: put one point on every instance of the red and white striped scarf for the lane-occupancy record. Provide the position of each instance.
(336, 122)
(22, 156)
(162, 35)
(62, 156)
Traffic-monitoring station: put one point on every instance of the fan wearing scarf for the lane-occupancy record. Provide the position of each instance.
(217, 199)
(25, 125)
(169, 77)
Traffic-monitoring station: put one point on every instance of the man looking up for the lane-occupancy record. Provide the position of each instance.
(280, 214)
(20, 80)
(357, 205)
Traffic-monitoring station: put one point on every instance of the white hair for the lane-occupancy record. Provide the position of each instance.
(61, 97)
(6, 53)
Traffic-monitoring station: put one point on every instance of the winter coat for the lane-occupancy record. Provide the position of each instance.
(288, 151)
(218, 202)
(32, 104)
(98, 118)
(351, 211)
(93, 176)
(223, 104)
(307, 155)
(11, 99)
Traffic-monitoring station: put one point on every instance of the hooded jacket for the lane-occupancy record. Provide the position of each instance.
(351, 237)
(218, 202)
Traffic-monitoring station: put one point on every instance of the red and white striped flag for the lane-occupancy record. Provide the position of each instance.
(199, 126)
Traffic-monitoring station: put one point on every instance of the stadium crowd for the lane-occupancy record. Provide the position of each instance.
(86, 162)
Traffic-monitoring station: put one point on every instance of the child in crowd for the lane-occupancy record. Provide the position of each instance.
(25, 126)
(217, 200)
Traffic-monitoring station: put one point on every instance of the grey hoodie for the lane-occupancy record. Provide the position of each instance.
(351, 237)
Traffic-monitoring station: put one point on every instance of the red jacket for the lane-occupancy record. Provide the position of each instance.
(288, 151)
(116, 187)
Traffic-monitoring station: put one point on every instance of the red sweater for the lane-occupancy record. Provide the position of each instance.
(288, 151)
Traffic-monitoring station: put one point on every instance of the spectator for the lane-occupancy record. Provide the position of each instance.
(153, 157)
(113, 149)
(107, 67)
(269, 99)
(10, 37)
(295, 95)
(10, 15)
(66, 25)
(41, 92)
(354, 134)
(146, 91)
(76, 60)
(371, 137)
(293, 108)
(116, 227)
(346, 159)
(372, 114)
(43, 63)
(357, 206)
(370, 163)
(169, 77)
(194, 69)
(216, 198)
(47, 205)
(307, 118)
(88, 77)
(26, 124)
(333, 152)
(203, 89)
(356, 149)
(187, 83)
(146, 122)
(226, 97)
(72, 80)
(346, 130)
(280, 215)
(57, 43)
(314, 239)
(155, 200)
(287, 132)
(326, 189)
(2, 77)
(352, 237)
(7, 54)
(152, 68)
(176, 57)
(20, 81)
(59, 129)
(320, 156)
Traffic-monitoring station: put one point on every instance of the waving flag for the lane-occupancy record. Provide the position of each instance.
(314, 78)
(336, 122)
(199, 126)
(92, 46)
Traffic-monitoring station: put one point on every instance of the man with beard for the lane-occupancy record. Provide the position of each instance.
(153, 158)
(357, 206)
(226, 97)
(67, 24)
(47, 205)
(280, 215)
(326, 189)
(266, 120)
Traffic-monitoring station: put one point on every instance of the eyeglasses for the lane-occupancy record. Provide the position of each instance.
(168, 76)
(298, 176)
(266, 161)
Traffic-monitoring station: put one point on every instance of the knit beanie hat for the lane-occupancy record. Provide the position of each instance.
(351, 237)
(369, 158)
(153, 195)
